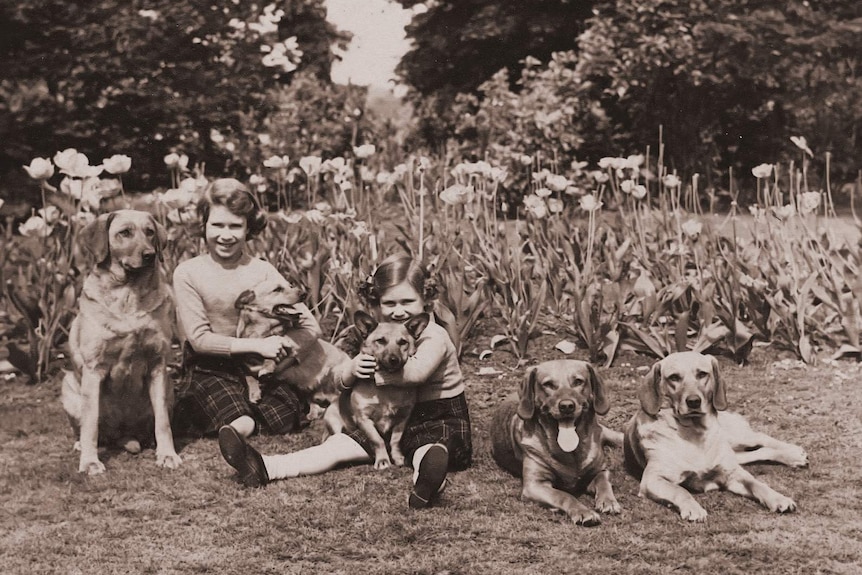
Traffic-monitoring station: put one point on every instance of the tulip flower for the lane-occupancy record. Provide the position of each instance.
(535, 206)
(457, 195)
(35, 227)
(364, 151)
(762, 171)
(117, 164)
(589, 203)
(692, 228)
(40, 169)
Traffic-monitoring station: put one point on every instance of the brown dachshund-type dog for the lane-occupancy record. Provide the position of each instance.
(118, 391)
(379, 410)
(268, 310)
(550, 437)
(694, 444)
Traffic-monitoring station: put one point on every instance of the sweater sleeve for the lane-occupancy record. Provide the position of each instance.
(192, 317)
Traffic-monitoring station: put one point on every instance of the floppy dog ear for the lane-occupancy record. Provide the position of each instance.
(364, 323)
(417, 324)
(244, 299)
(650, 390)
(94, 237)
(600, 402)
(719, 395)
(161, 238)
(527, 405)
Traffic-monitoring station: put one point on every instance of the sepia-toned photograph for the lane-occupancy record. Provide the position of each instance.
(430, 287)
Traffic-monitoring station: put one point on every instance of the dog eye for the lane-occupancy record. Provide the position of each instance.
(380, 341)
(125, 233)
(149, 232)
(549, 384)
(702, 374)
(402, 342)
(279, 289)
(674, 377)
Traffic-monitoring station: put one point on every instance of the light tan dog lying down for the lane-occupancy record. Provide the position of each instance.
(551, 438)
(118, 390)
(683, 440)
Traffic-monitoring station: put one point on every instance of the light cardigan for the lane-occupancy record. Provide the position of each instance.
(205, 292)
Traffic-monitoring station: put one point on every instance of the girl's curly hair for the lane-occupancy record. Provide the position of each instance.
(394, 270)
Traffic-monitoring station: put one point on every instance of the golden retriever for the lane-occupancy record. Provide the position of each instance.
(118, 390)
(693, 444)
(551, 438)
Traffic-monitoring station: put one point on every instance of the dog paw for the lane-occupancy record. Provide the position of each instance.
(797, 458)
(77, 446)
(381, 464)
(693, 512)
(397, 459)
(168, 460)
(782, 504)
(587, 518)
(610, 506)
(94, 467)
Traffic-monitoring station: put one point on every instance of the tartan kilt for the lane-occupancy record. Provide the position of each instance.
(214, 392)
(444, 421)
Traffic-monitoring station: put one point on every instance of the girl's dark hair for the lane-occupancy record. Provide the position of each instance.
(233, 195)
(394, 270)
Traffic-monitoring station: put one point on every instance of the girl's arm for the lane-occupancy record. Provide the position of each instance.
(420, 366)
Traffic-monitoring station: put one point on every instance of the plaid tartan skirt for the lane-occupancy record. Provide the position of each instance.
(444, 421)
(213, 393)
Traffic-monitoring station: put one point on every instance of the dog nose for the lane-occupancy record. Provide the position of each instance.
(148, 257)
(693, 402)
(567, 407)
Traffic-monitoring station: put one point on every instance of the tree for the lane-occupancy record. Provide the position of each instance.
(729, 80)
(459, 44)
(144, 78)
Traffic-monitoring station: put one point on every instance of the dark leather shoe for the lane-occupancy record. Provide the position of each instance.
(242, 457)
(432, 477)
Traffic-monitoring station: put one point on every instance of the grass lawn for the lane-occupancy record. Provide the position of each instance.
(138, 518)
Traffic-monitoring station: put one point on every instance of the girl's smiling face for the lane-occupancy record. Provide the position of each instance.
(400, 303)
(225, 234)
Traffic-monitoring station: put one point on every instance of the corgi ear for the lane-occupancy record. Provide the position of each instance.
(244, 299)
(94, 237)
(600, 402)
(364, 323)
(719, 396)
(650, 390)
(527, 405)
(417, 324)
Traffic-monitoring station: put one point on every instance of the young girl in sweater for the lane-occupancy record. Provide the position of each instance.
(205, 289)
(437, 437)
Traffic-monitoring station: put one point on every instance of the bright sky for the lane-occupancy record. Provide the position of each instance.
(378, 40)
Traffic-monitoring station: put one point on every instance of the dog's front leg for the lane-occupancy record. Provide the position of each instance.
(537, 486)
(606, 502)
(395, 441)
(91, 383)
(381, 456)
(656, 487)
(162, 401)
(744, 483)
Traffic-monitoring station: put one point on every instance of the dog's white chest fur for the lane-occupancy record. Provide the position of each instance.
(699, 459)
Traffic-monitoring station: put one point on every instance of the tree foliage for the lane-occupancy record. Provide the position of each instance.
(146, 77)
(728, 81)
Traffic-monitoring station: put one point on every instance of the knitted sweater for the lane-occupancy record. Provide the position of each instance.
(205, 292)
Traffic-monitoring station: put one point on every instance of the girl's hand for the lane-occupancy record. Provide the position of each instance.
(275, 347)
(364, 366)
